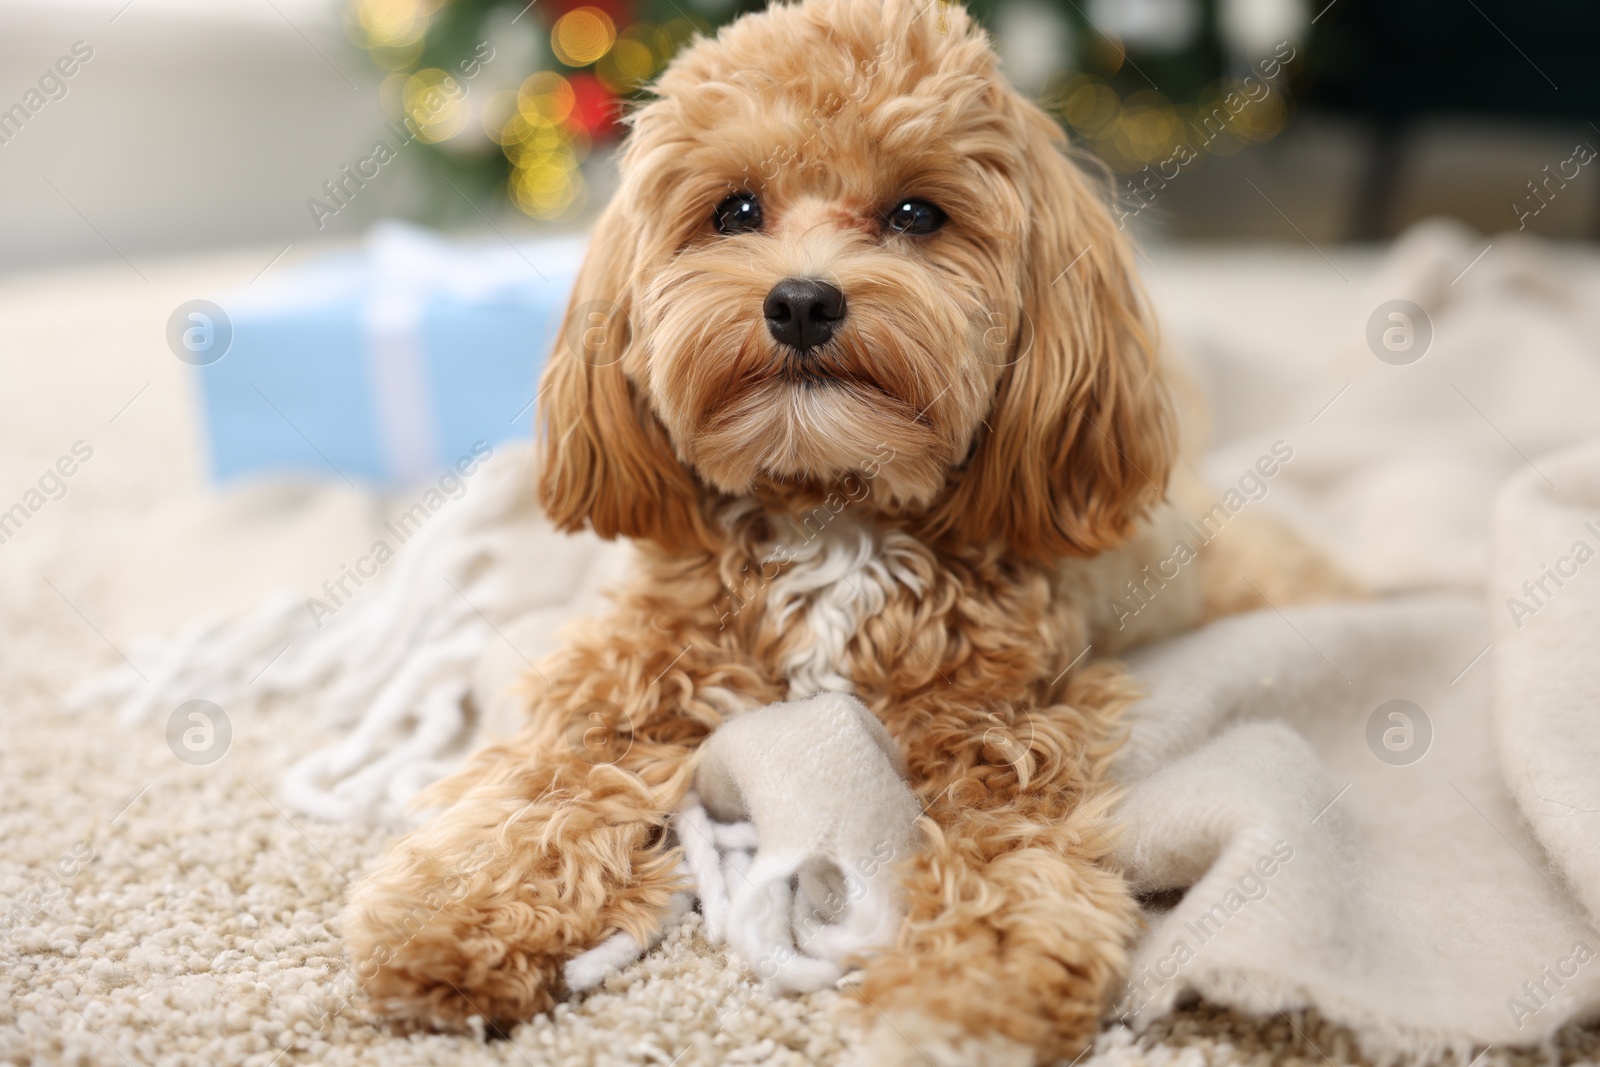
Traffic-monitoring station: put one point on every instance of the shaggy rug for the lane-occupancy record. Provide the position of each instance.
(158, 911)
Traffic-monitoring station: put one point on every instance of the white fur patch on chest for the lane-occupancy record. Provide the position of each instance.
(836, 577)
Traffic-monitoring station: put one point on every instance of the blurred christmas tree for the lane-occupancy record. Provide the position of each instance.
(511, 97)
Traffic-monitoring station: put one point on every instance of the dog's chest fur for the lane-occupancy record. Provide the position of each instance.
(834, 578)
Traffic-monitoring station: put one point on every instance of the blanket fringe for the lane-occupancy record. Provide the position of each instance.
(394, 666)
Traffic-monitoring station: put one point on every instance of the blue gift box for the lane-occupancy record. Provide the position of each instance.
(385, 365)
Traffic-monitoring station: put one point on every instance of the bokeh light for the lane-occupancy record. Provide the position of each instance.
(498, 111)
(549, 189)
(544, 130)
(1264, 119)
(631, 61)
(434, 104)
(392, 30)
(1089, 104)
(528, 144)
(545, 97)
(1148, 130)
(582, 36)
(385, 23)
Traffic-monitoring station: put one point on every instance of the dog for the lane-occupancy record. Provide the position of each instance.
(859, 359)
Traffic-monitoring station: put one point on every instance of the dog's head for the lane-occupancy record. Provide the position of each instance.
(844, 249)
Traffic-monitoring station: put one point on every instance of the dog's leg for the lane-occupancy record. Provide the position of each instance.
(1261, 561)
(550, 842)
(1015, 929)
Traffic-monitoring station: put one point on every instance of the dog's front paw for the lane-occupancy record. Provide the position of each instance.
(475, 914)
(914, 1039)
(441, 970)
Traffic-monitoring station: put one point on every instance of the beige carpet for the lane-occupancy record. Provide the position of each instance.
(153, 912)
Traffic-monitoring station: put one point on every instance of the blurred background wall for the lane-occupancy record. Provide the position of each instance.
(192, 123)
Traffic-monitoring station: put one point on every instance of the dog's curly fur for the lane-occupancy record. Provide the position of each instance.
(992, 404)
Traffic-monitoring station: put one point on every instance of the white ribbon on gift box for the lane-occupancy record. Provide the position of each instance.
(409, 265)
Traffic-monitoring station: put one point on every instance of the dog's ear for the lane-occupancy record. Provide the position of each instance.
(607, 461)
(1080, 439)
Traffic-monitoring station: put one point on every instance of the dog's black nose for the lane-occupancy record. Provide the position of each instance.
(803, 312)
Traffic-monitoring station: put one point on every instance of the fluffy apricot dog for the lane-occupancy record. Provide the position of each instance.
(859, 360)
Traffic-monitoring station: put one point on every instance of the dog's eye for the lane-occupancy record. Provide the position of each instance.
(740, 213)
(915, 217)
